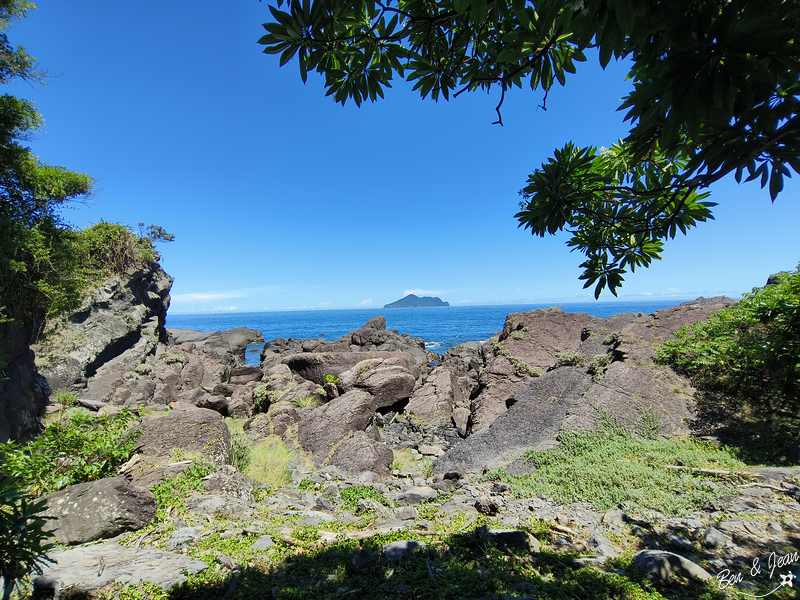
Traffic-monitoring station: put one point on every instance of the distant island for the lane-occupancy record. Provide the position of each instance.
(412, 301)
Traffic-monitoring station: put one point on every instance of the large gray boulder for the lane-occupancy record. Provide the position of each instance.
(189, 429)
(360, 453)
(325, 427)
(388, 379)
(533, 419)
(98, 510)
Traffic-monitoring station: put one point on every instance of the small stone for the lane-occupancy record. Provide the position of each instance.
(429, 450)
(499, 488)
(397, 550)
(456, 472)
(486, 506)
(184, 535)
(680, 542)
(406, 513)
(417, 495)
(602, 546)
(362, 558)
(614, 516)
(262, 543)
(774, 529)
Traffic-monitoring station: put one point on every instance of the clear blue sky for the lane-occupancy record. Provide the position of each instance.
(280, 198)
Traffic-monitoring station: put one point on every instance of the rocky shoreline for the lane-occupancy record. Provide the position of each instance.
(349, 408)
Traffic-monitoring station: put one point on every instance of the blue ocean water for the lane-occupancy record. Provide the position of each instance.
(440, 327)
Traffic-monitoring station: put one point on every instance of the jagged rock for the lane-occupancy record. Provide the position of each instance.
(498, 382)
(437, 399)
(98, 509)
(218, 504)
(186, 428)
(112, 320)
(461, 417)
(416, 495)
(149, 471)
(378, 323)
(387, 379)
(327, 426)
(245, 374)
(313, 366)
(602, 546)
(361, 558)
(227, 480)
(636, 339)
(532, 421)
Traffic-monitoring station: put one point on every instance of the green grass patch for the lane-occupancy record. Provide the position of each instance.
(610, 466)
(268, 461)
(351, 496)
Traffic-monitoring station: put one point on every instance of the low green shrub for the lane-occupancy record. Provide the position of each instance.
(268, 463)
(598, 366)
(351, 496)
(23, 543)
(66, 398)
(749, 351)
(84, 448)
(570, 359)
(331, 379)
(305, 401)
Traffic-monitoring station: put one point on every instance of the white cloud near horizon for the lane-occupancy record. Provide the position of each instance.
(366, 302)
(200, 297)
(324, 304)
(225, 308)
(424, 292)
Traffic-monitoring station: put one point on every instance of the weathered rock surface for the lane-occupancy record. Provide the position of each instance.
(387, 379)
(325, 427)
(187, 428)
(233, 341)
(534, 417)
(123, 314)
(438, 398)
(98, 510)
(93, 567)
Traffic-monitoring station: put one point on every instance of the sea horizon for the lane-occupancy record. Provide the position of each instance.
(440, 327)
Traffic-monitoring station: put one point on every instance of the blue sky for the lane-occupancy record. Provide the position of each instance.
(279, 198)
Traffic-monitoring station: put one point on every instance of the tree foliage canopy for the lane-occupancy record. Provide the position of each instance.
(715, 92)
(45, 265)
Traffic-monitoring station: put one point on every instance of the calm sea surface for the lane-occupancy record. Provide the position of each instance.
(440, 327)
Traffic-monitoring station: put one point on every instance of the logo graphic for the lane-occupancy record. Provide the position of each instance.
(726, 579)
